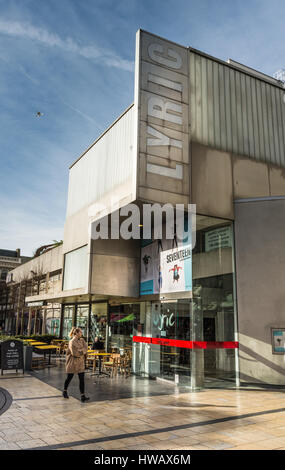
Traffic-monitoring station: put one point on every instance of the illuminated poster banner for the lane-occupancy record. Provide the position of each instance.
(166, 267)
(150, 268)
(278, 340)
(176, 270)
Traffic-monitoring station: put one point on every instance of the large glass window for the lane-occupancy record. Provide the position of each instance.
(164, 320)
(43, 285)
(54, 283)
(4, 274)
(82, 319)
(213, 294)
(210, 316)
(53, 320)
(75, 269)
(37, 321)
(98, 321)
(123, 321)
(68, 319)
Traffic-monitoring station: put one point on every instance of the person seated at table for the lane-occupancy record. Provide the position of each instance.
(98, 344)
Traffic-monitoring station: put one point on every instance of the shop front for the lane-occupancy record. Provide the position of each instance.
(91, 317)
(183, 326)
(189, 338)
(193, 341)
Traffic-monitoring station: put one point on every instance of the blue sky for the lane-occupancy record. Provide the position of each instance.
(73, 61)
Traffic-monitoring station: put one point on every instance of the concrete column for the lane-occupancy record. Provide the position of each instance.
(30, 321)
(18, 309)
(22, 321)
(197, 355)
(35, 320)
(44, 321)
(197, 369)
(74, 315)
(61, 321)
(107, 344)
(18, 319)
(47, 282)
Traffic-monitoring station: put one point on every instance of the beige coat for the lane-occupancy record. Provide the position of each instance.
(75, 361)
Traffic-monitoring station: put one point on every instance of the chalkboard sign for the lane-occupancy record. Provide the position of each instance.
(12, 357)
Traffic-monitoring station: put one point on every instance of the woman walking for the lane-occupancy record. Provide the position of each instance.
(75, 363)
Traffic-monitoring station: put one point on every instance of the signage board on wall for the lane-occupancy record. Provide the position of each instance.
(278, 340)
(38, 303)
(162, 119)
(218, 238)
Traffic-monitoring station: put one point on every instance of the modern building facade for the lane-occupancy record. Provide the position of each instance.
(203, 132)
(9, 260)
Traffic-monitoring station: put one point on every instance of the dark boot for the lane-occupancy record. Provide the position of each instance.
(64, 394)
(84, 398)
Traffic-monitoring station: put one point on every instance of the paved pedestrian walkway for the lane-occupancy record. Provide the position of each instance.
(39, 418)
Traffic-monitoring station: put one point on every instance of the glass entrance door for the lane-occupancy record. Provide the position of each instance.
(171, 320)
(214, 299)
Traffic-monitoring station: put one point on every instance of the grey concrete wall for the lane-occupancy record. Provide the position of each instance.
(260, 267)
(115, 267)
(45, 263)
(219, 177)
(212, 185)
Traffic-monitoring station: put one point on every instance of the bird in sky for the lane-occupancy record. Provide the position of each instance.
(39, 114)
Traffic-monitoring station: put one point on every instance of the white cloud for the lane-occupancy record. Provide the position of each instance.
(28, 31)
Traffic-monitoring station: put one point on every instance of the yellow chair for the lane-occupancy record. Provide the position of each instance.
(126, 364)
(111, 364)
(91, 359)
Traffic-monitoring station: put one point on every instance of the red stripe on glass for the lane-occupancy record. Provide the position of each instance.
(179, 343)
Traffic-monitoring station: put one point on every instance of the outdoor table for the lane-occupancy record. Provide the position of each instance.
(31, 343)
(47, 348)
(95, 354)
(38, 343)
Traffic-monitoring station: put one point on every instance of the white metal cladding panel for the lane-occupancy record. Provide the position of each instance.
(75, 269)
(106, 165)
(235, 112)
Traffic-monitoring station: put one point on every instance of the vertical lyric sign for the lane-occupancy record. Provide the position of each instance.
(162, 109)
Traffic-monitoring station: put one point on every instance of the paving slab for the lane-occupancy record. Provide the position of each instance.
(138, 414)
